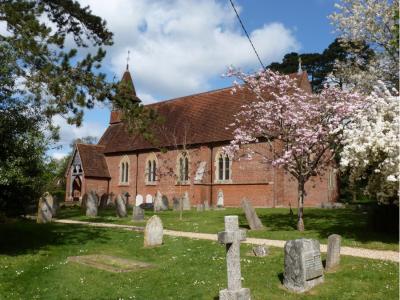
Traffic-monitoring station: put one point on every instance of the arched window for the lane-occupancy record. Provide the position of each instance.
(223, 166)
(124, 170)
(183, 167)
(151, 169)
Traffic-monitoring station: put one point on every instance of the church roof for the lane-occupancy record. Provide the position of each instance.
(196, 119)
(93, 160)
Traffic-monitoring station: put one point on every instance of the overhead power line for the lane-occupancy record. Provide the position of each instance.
(248, 37)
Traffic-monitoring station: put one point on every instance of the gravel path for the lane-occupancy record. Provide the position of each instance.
(351, 251)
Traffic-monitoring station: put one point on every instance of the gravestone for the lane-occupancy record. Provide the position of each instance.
(175, 203)
(333, 253)
(303, 265)
(153, 232)
(164, 203)
(158, 201)
(45, 205)
(220, 198)
(149, 198)
(83, 203)
(206, 206)
(103, 201)
(91, 204)
(120, 207)
(231, 237)
(260, 250)
(110, 201)
(251, 215)
(200, 207)
(139, 200)
(138, 213)
(186, 201)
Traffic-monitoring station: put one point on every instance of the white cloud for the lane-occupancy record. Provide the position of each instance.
(178, 46)
(58, 155)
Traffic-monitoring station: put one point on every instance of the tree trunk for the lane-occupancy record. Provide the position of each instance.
(300, 223)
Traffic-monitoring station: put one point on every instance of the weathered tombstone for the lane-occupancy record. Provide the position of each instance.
(333, 253)
(186, 201)
(251, 215)
(138, 200)
(45, 208)
(149, 198)
(91, 204)
(232, 237)
(164, 203)
(303, 265)
(138, 213)
(200, 207)
(175, 203)
(220, 198)
(260, 250)
(110, 200)
(206, 206)
(158, 201)
(83, 203)
(120, 207)
(103, 201)
(153, 232)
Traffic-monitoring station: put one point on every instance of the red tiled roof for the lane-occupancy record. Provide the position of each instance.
(200, 118)
(93, 160)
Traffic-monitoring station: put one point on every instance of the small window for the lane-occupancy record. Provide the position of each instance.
(223, 165)
(151, 169)
(183, 167)
(124, 170)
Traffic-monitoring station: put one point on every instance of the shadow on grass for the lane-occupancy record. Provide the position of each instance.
(25, 236)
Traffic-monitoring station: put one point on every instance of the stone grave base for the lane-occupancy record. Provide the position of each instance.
(307, 286)
(242, 294)
(109, 263)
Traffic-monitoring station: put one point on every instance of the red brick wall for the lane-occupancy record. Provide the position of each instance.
(254, 179)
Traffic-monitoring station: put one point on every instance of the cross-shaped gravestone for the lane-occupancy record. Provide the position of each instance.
(232, 237)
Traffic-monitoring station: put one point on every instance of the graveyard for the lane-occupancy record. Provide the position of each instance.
(71, 261)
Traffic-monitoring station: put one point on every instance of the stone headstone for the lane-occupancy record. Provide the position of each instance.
(333, 253)
(260, 250)
(103, 201)
(120, 207)
(138, 213)
(153, 232)
(110, 201)
(138, 200)
(149, 198)
(175, 203)
(198, 178)
(220, 198)
(231, 237)
(200, 207)
(206, 206)
(251, 215)
(83, 203)
(45, 205)
(158, 201)
(303, 265)
(164, 203)
(186, 201)
(91, 204)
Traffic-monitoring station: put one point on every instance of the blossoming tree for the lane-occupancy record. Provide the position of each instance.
(371, 144)
(301, 130)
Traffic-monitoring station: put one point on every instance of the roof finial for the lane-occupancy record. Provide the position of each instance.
(299, 70)
(127, 60)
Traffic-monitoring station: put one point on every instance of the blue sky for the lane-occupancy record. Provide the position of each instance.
(180, 47)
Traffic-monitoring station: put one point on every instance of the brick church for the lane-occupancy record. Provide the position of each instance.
(188, 157)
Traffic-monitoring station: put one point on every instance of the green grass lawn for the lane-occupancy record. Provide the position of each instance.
(351, 224)
(33, 266)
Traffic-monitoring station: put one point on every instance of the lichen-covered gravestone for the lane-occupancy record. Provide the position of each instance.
(139, 200)
(220, 199)
(333, 253)
(120, 207)
(231, 237)
(303, 265)
(91, 204)
(103, 201)
(45, 205)
(175, 203)
(153, 232)
(158, 201)
(251, 215)
(138, 213)
(186, 201)
(164, 203)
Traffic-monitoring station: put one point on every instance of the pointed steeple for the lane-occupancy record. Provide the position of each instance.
(299, 69)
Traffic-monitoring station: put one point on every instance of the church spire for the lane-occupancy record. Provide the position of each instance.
(299, 69)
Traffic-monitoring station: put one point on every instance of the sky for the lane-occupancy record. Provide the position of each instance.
(182, 47)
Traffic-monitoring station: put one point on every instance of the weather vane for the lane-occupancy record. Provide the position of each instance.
(127, 60)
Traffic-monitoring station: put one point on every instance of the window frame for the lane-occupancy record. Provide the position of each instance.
(150, 173)
(183, 168)
(124, 166)
(223, 168)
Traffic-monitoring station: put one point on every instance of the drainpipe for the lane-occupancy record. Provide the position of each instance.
(136, 179)
(211, 175)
